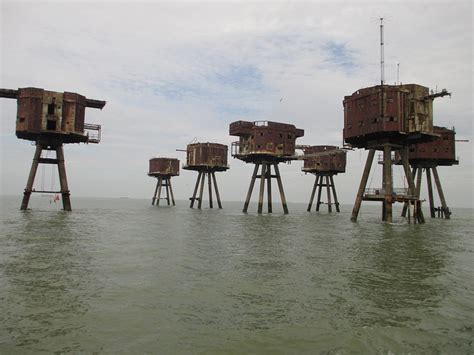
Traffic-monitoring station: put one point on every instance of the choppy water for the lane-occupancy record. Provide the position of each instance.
(119, 275)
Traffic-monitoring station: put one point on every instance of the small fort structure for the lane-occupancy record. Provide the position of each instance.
(428, 156)
(163, 169)
(265, 144)
(324, 161)
(51, 119)
(206, 159)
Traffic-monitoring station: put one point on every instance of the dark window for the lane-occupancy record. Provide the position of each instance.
(289, 136)
(261, 134)
(51, 108)
(51, 125)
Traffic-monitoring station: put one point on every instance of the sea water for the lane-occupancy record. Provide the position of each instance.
(120, 275)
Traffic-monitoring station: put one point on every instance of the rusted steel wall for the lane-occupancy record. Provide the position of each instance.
(442, 150)
(373, 112)
(212, 155)
(164, 166)
(265, 138)
(332, 163)
(48, 112)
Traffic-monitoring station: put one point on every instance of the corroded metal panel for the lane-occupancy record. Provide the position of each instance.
(206, 156)
(441, 151)
(333, 161)
(264, 138)
(43, 113)
(163, 167)
(387, 111)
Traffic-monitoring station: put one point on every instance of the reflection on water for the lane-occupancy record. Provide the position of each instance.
(123, 276)
(395, 271)
(45, 278)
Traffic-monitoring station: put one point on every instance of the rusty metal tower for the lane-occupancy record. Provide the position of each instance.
(389, 118)
(163, 169)
(51, 119)
(264, 144)
(324, 161)
(428, 156)
(207, 159)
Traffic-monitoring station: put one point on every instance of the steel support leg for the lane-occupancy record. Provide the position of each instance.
(363, 183)
(328, 190)
(217, 190)
(195, 190)
(63, 179)
(430, 192)
(252, 183)
(156, 191)
(387, 182)
(160, 186)
(171, 191)
(31, 177)
(312, 194)
(269, 188)
(201, 190)
(320, 190)
(280, 187)
(336, 202)
(446, 211)
(209, 183)
(262, 188)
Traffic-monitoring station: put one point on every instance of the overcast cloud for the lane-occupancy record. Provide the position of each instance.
(175, 72)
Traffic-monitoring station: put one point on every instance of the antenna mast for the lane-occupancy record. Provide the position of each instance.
(382, 59)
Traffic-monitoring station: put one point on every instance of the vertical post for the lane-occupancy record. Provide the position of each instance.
(201, 190)
(252, 183)
(154, 195)
(63, 179)
(336, 202)
(167, 185)
(387, 177)
(209, 183)
(418, 182)
(445, 208)
(195, 190)
(262, 187)
(320, 189)
(312, 194)
(411, 189)
(280, 187)
(160, 185)
(217, 190)
(328, 189)
(363, 183)
(269, 188)
(171, 191)
(31, 178)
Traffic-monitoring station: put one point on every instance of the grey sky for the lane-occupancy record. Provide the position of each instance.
(174, 72)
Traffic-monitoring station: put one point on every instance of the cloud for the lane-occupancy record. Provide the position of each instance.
(175, 72)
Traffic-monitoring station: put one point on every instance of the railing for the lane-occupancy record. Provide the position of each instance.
(235, 148)
(381, 191)
(93, 132)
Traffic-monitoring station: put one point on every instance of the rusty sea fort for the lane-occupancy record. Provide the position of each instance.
(116, 276)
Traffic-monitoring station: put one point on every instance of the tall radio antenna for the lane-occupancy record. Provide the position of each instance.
(382, 59)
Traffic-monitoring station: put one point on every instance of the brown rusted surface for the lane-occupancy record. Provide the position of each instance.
(330, 164)
(441, 151)
(400, 112)
(261, 140)
(57, 115)
(163, 167)
(206, 156)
